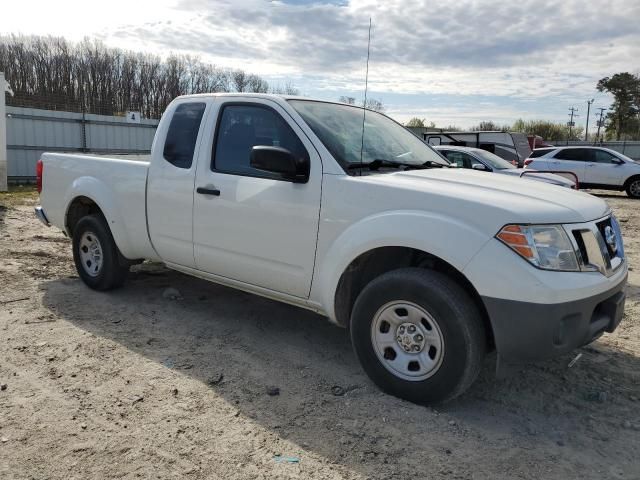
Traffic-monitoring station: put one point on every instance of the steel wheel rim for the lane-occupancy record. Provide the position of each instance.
(400, 350)
(635, 188)
(90, 252)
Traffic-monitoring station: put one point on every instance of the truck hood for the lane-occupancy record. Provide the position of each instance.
(506, 199)
(541, 177)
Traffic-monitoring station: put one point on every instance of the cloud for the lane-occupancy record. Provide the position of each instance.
(513, 51)
(525, 48)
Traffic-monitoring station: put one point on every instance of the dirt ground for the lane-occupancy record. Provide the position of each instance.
(130, 384)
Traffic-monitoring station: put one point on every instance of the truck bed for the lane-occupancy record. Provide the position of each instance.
(115, 182)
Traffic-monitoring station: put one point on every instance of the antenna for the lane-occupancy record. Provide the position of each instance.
(366, 85)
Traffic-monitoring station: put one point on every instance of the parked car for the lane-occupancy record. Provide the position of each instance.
(595, 167)
(477, 159)
(428, 266)
(512, 146)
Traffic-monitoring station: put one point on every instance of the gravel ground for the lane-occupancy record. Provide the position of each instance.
(222, 384)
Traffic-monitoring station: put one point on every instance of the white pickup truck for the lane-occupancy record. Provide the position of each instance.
(430, 268)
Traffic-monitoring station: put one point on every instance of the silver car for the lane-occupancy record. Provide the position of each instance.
(478, 159)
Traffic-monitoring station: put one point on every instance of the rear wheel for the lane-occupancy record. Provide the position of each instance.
(96, 254)
(633, 187)
(418, 335)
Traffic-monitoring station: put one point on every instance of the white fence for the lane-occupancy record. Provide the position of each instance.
(3, 135)
(31, 131)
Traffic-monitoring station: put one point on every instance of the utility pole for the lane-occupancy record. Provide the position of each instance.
(586, 130)
(600, 123)
(571, 123)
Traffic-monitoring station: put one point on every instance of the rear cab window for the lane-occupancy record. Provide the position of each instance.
(180, 144)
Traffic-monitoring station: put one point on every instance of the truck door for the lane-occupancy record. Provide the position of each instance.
(171, 182)
(250, 225)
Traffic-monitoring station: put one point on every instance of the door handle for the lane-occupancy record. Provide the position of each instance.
(208, 191)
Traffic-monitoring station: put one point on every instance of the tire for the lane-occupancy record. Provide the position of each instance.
(437, 307)
(96, 254)
(633, 187)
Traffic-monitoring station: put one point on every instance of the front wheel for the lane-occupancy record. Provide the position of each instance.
(633, 188)
(96, 254)
(418, 335)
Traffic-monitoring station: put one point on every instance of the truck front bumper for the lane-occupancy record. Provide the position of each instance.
(527, 332)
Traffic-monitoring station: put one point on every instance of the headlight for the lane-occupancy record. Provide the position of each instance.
(545, 246)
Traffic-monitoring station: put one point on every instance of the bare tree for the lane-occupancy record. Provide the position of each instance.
(347, 100)
(374, 104)
(415, 122)
(240, 80)
(257, 84)
(51, 73)
(286, 89)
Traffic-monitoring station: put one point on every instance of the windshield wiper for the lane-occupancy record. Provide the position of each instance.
(378, 163)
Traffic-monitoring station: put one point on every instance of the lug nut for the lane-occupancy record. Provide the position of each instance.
(401, 330)
(412, 329)
(416, 348)
(406, 348)
(399, 339)
(418, 338)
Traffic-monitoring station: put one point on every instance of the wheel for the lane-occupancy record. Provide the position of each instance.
(418, 335)
(96, 255)
(633, 187)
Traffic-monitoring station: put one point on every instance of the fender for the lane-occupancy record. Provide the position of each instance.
(103, 196)
(444, 237)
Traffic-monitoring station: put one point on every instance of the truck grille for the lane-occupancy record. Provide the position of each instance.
(600, 245)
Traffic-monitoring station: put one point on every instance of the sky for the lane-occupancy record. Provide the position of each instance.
(453, 63)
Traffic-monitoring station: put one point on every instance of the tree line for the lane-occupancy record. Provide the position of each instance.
(370, 103)
(551, 131)
(52, 73)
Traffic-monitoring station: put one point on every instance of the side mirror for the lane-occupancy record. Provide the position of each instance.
(479, 166)
(617, 161)
(282, 161)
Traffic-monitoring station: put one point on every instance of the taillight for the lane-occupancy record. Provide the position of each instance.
(528, 161)
(39, 169)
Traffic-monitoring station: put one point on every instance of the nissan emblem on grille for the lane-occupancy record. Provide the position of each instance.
(610, 238)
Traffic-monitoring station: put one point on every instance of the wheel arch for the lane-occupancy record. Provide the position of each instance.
(375, 262)
(630, 179)
(446, 237)
(88, 195)
(79, 207)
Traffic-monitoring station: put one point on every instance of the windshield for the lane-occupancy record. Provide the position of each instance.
(493, 160)
(339, 128)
